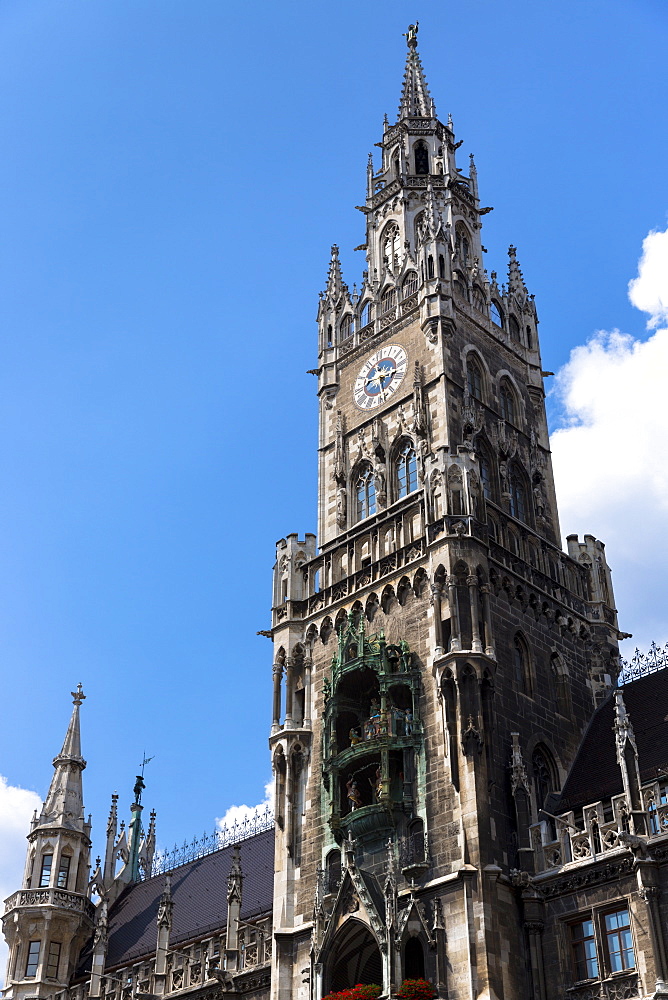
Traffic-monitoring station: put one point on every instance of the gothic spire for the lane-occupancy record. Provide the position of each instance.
(415, 99)
(515, 278)
(63, 805)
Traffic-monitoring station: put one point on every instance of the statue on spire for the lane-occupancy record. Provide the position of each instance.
(411, 35)
(78, 696)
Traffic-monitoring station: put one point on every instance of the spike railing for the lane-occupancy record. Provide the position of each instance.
(642, 664)
(257, 821)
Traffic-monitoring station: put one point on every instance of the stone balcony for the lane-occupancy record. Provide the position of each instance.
(25, 898)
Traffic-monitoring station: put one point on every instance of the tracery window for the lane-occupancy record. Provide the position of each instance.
(365, 315)
(474, 378)
(406, 465)
(495, 313)
(514, 328)
(388, 300)
(365, 491)
(410, 284)
(391, 247)
(507, 398)
(479, 299)
(346, 327)
(421, 158)
(543, 776)
(462, 244)
(522, 665)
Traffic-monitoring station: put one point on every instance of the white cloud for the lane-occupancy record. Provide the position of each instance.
(16, 808)
(238, 815)
(611, 457)
(649, 291)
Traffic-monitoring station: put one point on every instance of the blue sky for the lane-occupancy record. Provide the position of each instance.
(172, 175)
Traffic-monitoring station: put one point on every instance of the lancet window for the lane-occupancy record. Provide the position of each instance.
(406, 466)
(365, 491)
(410, 285)
(346, 327)
(507, 400)
(391, 247)
(474, 378)
(496, 313)
(388, 300)
(462, 244)
(522, 666)
(421, 154)
(518, 504)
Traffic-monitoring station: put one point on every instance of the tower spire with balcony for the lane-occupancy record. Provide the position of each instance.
(46, 926)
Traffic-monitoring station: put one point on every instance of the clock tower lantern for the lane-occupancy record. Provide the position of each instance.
(437, 656)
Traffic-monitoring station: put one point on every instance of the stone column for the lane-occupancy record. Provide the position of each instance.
(277, 674)
(455, 634)
(289, 692)
(534, 929)
(472, 582)
(487, 618)
(649, 893)
(436, 589)
(308, 670)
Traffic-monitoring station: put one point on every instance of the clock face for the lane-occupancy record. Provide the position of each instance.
(380, 377)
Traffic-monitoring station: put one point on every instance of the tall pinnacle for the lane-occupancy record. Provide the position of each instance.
(63, 805)
(415, 99)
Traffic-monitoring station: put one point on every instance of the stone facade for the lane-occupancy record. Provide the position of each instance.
(464, 789)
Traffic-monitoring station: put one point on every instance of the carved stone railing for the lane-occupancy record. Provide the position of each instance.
(50, 897)
(619, 987)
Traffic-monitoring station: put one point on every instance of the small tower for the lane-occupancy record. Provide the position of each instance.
(47, 921)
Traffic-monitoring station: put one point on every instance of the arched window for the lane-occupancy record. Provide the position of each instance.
(421, 158)
(333, 870)
(542, 768)
(430, 266)
(365, 491)
(507, 398)
(514, 542)
(413, 959)
(395, 165)
(388, 300)
(365, 315)
(441, 265)
(346, 327)
(485, 474)
(495, 313)
(522, 666)
(462, 243)
(518, 503)
(391, 247)
(406, 464)
(529, 338)
(410, 284)
(492, 529)
(514, 328)
(474, 378)
(329, 334)
(479, 298)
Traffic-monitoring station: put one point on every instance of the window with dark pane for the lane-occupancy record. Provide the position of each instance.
(474, 378)
(496, 314)
(53, 959)
(63, 871)
(421, 158)
(517, 497)
(32, 960)
(507, 402)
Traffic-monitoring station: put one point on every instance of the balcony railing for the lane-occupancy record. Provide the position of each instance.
(50, 897)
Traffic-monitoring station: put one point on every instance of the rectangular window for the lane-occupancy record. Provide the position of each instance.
(618, 940)
(53, 960)
(583, 944)
(33, 958)
(63, 871)
(45, 874)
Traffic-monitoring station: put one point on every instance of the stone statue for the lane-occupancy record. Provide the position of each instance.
(352, 791)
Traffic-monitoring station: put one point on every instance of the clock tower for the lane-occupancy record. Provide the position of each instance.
(437, 655)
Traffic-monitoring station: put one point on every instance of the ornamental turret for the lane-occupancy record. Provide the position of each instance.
(49, 918)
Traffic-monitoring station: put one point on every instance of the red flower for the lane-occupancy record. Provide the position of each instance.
(416, 989)
(359, 992)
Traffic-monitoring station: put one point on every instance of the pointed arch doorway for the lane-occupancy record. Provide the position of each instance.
(355, 958)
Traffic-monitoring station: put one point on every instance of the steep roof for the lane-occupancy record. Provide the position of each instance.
(595, 772)
(199, 892)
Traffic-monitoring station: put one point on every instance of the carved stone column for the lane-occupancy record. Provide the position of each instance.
(277, 675)
(472, 582)
(649, 893)
(455, 633)
(436, 589)
(487, 618)
(534, 929)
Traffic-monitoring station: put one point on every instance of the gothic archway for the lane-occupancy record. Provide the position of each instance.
(355, 958)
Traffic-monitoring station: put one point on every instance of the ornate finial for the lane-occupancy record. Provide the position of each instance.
(411, 35)
(78, 696)
(335, 251)
(450, 122)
